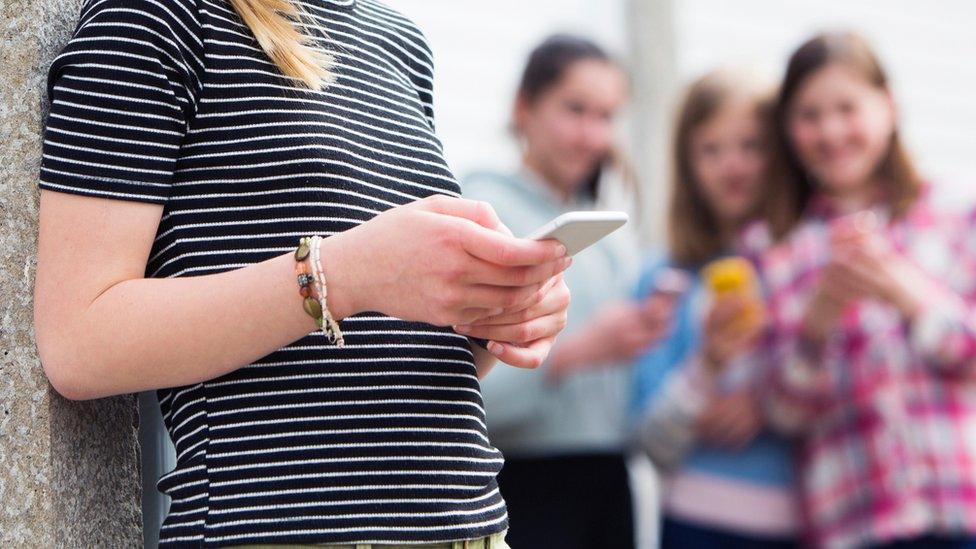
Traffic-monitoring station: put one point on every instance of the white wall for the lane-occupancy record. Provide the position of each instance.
(479, 49)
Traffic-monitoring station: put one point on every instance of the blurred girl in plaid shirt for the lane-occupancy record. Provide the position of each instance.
(871, 301)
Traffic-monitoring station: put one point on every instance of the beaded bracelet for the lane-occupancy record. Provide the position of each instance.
(331, 326)
(311, 275)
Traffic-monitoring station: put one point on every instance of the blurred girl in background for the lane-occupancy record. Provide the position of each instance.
(871, 300)
(728, 481)
(562, 427)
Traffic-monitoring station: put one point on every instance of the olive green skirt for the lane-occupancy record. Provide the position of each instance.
(496, 541)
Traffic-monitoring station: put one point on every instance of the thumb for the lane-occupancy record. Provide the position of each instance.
(477, 211)
(503, 228)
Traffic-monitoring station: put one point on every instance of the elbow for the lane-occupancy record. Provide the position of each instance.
(62, 375)
(64, 387)
(788, 421)
(665, 450)
(61, 364)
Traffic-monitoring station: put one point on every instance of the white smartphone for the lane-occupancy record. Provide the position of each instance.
(580, 230)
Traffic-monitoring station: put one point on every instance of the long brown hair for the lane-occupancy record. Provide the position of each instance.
(896, 170)
(694, 234)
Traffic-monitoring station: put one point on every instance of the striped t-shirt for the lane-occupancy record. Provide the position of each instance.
(172, 102)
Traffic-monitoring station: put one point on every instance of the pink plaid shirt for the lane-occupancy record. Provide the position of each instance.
(887, 408)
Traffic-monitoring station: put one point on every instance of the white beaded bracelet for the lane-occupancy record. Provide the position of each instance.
(329, 325)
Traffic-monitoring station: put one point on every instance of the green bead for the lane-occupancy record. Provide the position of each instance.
(318, 322)
(313, 307)
(302, 252)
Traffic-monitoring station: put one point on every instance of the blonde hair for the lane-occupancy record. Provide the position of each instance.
(274, 24)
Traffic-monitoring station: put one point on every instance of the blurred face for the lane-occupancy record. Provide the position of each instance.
(568, 129)
(840, 126)
(728, 160)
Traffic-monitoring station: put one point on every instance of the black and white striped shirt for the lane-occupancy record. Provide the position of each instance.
(172, 102)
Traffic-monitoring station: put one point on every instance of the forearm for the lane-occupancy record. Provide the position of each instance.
(145, 334)
(571, 354)
(943, 332)
(801, 384)
(666, 431)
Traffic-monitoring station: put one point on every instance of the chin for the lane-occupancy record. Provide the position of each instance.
(578, 177)
(844, 182)
(843, 179)
(736, 212)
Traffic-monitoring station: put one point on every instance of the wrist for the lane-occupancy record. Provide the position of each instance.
(566, 357)
(587, 347)
(341, 288)
(906, 286)
(701, 377)
(711, 362)
(484, 361)
(910, 306)
(560, 359)
(907, 301)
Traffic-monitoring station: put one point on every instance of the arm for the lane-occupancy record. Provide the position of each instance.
(615, 335)
(689, 406)
(669, 393)
(800, 383)
(942, 313)
(103, 329)
(939, 311)
(801, 359)
(944, 333)
(666, 428)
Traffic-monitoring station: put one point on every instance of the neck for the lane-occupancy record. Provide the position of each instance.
(547, 178)
(856, 198)
(728, 229)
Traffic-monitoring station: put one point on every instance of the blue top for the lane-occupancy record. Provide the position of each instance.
(586, 412)
(768, 460)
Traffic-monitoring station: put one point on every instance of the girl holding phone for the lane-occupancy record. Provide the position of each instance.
(562, 426)
(196, 153)
(872, 300)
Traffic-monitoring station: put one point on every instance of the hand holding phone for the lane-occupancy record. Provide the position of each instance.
(580, 230)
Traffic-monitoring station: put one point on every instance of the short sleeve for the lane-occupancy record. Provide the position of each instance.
(123, 91)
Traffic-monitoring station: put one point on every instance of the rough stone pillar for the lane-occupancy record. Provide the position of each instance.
(651, 31)
(69, 471)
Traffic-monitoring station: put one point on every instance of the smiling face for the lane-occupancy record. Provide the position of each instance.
(728, 160)
(840, 127)
(568, 128)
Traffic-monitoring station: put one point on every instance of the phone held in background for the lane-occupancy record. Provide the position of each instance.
(659, 305)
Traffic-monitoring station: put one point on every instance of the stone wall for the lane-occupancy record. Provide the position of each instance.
(69, 471)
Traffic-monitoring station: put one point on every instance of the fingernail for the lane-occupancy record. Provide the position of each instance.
(495, 348)
(560, 250)
(496, 312)
(565, 263)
